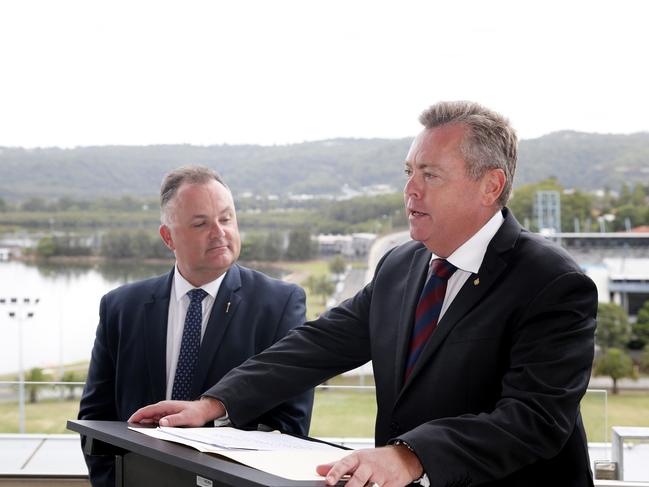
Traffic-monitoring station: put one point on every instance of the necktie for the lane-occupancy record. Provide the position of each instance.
(428, 309)
(189, 347)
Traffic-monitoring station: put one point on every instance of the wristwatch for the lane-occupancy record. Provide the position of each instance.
(424, 481)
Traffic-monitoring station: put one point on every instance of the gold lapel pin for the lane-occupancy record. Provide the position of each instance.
(476, 281)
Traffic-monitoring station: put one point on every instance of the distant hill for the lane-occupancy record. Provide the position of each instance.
(586, 161)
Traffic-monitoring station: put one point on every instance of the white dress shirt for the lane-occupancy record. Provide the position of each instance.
(468, 258)
(178, 304)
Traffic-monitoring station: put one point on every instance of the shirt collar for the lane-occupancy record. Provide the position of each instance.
(468, 256)
(182, 286)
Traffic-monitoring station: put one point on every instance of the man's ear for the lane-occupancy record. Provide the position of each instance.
(493, 183)
(165, 233)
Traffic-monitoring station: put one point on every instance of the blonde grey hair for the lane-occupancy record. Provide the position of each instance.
(490, 141)
(176, 178)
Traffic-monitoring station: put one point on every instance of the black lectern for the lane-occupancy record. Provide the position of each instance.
(143, 460)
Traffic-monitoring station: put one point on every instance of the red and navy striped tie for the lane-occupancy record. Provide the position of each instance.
(428, 309)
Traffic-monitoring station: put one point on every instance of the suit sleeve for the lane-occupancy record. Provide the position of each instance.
(550, 359)
(97, 401)
(307, 356)
(293, 415)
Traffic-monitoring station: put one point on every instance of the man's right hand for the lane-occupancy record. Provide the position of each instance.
(180, 413)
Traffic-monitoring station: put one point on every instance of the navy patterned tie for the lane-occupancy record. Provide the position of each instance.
(189, 347)
(428, 309)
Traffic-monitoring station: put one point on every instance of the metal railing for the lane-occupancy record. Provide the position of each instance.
(350, 424)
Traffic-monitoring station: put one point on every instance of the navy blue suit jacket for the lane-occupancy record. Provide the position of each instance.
(128, 365)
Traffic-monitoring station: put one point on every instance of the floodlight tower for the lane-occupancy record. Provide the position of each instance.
(20, 310)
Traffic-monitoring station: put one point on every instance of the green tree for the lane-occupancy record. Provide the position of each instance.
(575, 206)
(273, 246)
(34, 375)
(640, 328)
(633, 213)
(320, 286)
(644, 361)
(46, 247)
(252, 248)
(626, 197)
(116, 244)
(337, 265)
(616, 364)
(300, 245)
(72, 376)
(522, 200)
(613, 329)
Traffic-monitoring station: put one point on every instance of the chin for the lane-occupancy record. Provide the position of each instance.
(418, 234)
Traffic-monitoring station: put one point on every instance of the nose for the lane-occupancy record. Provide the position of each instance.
(412, 189)
(216, 230)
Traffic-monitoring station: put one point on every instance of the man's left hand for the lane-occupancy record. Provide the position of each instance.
(388, 466)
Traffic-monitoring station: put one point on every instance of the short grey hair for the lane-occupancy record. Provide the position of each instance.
(176, 178)
(490, 141)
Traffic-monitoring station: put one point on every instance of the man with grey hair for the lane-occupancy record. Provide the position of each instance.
(481, 334)
(173, 336)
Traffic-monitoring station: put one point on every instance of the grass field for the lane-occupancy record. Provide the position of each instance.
(350, 413)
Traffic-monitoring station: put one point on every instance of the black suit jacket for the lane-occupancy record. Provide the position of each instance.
(494, 397)
(128, 365)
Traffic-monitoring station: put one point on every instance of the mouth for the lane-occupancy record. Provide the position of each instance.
(217, 248)
(416, 214)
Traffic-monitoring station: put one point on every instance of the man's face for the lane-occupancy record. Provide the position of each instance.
(443, 205)
(202, 231)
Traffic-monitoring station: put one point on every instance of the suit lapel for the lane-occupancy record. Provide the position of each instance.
(156, 315)
(225, 306)
(414, 283)
(473, 290)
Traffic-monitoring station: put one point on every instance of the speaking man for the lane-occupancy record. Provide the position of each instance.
(480, 333)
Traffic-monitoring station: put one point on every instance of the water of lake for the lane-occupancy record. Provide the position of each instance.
(62, 329)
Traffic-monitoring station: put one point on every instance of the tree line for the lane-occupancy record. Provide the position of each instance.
(580, 211)
(127, 227)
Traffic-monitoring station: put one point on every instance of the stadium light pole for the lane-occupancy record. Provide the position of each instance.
(20, 313)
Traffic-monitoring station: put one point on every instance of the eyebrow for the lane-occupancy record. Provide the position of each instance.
(228, 209)
(420, 165)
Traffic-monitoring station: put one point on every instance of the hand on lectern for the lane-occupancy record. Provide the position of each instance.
(386, 466)
(180, 413)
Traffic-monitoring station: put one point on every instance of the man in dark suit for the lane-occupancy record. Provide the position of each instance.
(479, 372)
(143, 348)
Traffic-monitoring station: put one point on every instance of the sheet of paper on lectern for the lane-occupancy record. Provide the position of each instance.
(272, 452)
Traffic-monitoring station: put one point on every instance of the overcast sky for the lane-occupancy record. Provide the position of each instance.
(85, 72)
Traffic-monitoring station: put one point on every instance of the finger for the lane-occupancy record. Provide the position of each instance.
(342, 467)
(361, 476)
(323, 469)
(153, 412)
(145, 421)
(188, 416)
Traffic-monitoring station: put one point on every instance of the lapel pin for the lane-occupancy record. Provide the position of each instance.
(227, 308)
(476, 281)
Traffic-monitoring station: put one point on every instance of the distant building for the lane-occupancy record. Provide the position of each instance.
(618, 262)
(628, 282)
(592, 247)
(335, 245)
(349, 246)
